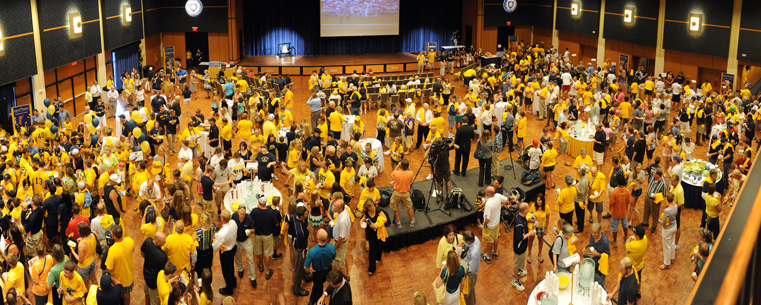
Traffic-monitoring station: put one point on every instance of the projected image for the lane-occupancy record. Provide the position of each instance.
(359, 17)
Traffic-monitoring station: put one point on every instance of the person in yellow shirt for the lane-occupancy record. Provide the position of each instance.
(420, 62)
(582, 160)
(522, 128)
(336, 118)
(226, 133)
(288, 98)
(549, 158)
(39, 275)
(14, 278)
(348, 178)
(164, 282)
(625, 109)
(636, 248)
(285, 115)
(565, 204)
(649, 88)
(72, 288)
(244, 128)
(431, 59)
(119, 261)
(713, 208)
(596, 190)
(178, 247)
(325, 180)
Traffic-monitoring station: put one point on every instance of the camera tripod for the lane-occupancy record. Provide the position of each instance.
(431, 188)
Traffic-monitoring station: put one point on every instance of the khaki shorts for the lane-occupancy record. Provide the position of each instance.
(599, 157)
(563, 147)
(491, 235)
(408, 141)
(153, 295)
(263, 244)
(403, 198)
(209, 207)
(519, 261)
(340, 260)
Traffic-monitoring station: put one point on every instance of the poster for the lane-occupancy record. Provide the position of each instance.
(22, 116)
(168, 59)
(623, 68)
(727, 82)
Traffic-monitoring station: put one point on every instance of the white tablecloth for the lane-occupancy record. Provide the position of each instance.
(716, 129)
(376, 145)
(564, 297)
(203, 144)
(697, 178)
(246, 193)
(346, 128)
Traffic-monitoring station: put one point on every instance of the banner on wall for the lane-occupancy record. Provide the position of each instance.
(727, 82)
(168, 58)
(623, 67)
(22, 116)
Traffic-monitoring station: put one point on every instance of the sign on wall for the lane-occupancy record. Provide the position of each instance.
(22, 116)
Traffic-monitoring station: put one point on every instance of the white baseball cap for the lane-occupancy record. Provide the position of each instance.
(115, 178)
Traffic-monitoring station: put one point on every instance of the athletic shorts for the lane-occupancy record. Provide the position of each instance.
(596, 205)
(549, 168)
(614, 223)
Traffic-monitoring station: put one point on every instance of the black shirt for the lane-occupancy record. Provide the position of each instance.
(464, 136)
(629, 146)
(32, 223)
(349, 156)
(282, 151)
(599, 137)
(265, 220)
(628, 291)
(100, 110)
(639, 149)
(213, 136)
(50, 206)
(521, 228)
(155, 258)
(299, 230)
(163, 117)
(113, 296)
(171, 126)
(177, 108)
(244, 225)
(156, 102)
(186, 93)
(110, 205)
(207, 186)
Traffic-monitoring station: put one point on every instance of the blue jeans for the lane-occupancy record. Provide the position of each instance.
(354, 111)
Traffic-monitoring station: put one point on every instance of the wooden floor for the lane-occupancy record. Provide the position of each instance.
(329, 60)
(402, 273)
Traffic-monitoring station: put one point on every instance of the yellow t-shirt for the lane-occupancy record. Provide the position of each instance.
(119, 261)
(636, 250)
(85, 261)
(439, 123)
(336, 119)
(347, 180)
(565, 202)
(522, 128)
(163, 288)
(76, 285)
(711, 203)
(244, 129)
(178, 248)
(227, 132)
(288, 99)
(15, 279)
(649, 85)
(40, 271)
(286, 118)
(625, 107)
(549, 158)
(327, 178)
(150, 229)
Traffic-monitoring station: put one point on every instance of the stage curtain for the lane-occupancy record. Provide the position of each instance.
(125, 58)
(268, 23)
(7, 98)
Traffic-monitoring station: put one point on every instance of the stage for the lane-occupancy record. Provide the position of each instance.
(334, 64)
(430, 225)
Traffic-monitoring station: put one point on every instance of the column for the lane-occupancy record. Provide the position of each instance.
(479, 24)
(38, 80)
(555, 40)
(660, 53)
(600, 39)
(734, 38)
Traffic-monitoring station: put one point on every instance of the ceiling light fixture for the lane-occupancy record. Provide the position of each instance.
(75, 24)
(696, 23)
(629, 15)
(575, 8)
(126, 14)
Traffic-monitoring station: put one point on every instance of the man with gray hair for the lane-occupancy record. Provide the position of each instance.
(244, 244)
(472, 250)
(599, 145)
(565, 201)
(598, 244)
(560, 249)
(656, 185)
(341, 230)
(582, 194)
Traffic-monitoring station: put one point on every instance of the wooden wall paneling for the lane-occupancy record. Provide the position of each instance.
(523, 33)
(587, 53)
(469, 12)
(374, 68)
(308, 70)
(338, 70)
(65, 91)
(49, 76)
(720, 63)
(394, 68)
(224, 47)
(709, 74)
(177, 40)
(214, 46)
(51, 92)
(69, 105)
(291, 70)
(543, 36)
(24, 100)
(80, 103)
(705, 61)
(152, 50)
(350, 69)
(270, 70)
(489, 40)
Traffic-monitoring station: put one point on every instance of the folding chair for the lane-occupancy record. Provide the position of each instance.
(394, 99)
(374, 100)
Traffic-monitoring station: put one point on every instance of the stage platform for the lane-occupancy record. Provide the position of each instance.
(334, 64)
(430, 225)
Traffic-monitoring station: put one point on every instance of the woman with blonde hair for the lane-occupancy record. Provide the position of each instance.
(205, 237)
(375, 232)
(451, 275)
(316, 212)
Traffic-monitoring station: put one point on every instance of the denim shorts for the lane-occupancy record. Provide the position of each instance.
(614, 223)
(87, 271)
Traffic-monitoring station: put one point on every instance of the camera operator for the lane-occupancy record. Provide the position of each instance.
(438, 156)
(463, 138)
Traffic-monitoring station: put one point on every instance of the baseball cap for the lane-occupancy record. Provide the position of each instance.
(115, 178)
(105, 281)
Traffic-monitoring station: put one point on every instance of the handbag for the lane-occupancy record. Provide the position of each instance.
(440, 293)
(479, 154)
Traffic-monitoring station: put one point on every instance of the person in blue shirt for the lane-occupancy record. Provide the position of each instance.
(182, 75)
(319, 262)
(472, 250)
(229, 86)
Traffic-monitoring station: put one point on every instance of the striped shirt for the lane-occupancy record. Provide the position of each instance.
(656, 186)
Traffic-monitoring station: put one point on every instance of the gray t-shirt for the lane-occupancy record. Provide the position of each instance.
(669, 215)
(221, 175)
(582, 188)
(561, 248)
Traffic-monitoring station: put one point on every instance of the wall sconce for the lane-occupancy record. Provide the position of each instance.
(75, 24)
(2, 42)
(126, 14)
(696, 23)
(629, 15)
(575, 8)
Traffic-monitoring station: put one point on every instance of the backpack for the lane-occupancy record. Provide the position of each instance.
(531, 177)
(452, 110)
(385, 198)
(88, 199)
(418, 200)
(549, 252)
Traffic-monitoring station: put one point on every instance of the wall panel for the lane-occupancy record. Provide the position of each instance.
(645, 26)
(116, 33)
(750, 32)
(588, 21)
(18, 40)
(714, 38)
(58, 47)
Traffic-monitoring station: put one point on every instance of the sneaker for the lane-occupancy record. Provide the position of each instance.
(412, 224)
(398, 225)
(494, 255)
(276, 178)
(486, 258)
(429, 177)
(522, 272)
(433, 194)
(517, 284)
(481, 227)
(277, 256)
(677, 246)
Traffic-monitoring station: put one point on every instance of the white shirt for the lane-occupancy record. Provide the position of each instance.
(95, 90)
(140, 95)
(676, 89)
(185, 152)
(428, 116)
(226, 236)
(214, 162)
(237, 167)
(492, 210)
(342, 226)
(150, 193)
(659, 85)
(113, 95)
(566, 77)
(143, 114)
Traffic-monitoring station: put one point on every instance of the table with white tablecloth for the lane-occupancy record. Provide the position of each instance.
(378, 148)
(346, 128)
(564, 296)
(203, 145)
(247, 193)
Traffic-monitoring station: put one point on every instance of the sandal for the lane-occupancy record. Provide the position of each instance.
(528, 260)
(664, 267)
(541, 261)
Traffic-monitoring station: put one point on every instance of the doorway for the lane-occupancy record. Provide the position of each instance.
(503, 36)
(195, 41)
(468, 36)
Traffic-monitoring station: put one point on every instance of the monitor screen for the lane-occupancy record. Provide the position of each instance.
(359, 18)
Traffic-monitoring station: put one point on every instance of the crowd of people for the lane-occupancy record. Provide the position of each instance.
(67, 189)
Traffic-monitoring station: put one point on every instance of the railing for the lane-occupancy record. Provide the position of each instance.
(732, 273)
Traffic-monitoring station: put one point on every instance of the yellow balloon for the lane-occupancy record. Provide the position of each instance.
(51, 109)
(48, 123)
(137, 132)
(88, 118)
(135, 115)
(92, 129)
(145, 146)
(149, 125)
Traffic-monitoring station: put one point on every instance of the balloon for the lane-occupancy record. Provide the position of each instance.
(149, 125)
(145, 146)
(140, 46)
(49, 116)
(51, 109)
(135, 116)
(94, 138)
(140, 58)
(95, 122)
(88, 118)
(46, 102)
(142, 54)
(48, 123)
(92, 129)
(136, 132)
(54, 129)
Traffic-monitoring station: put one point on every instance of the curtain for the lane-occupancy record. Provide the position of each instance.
(7, 98)
(269, 23)
(125, 58)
